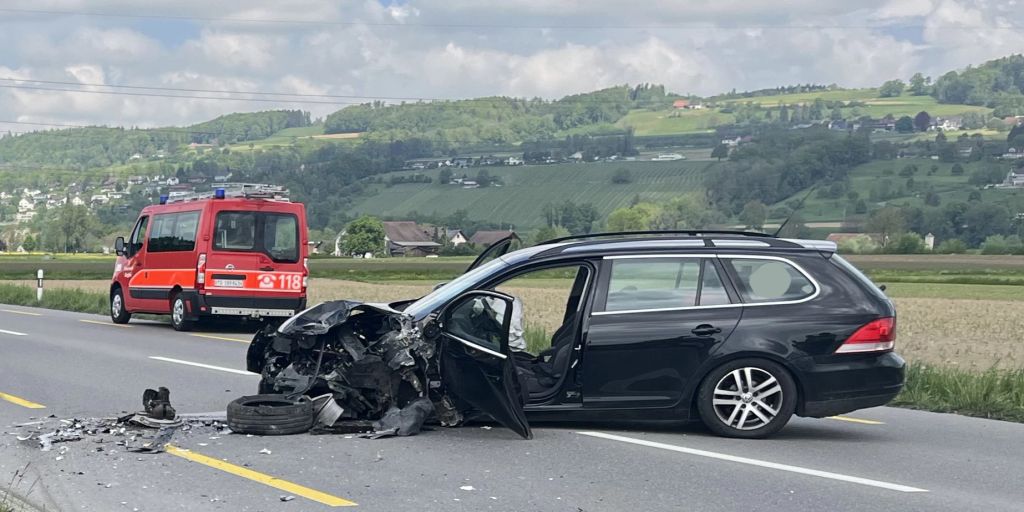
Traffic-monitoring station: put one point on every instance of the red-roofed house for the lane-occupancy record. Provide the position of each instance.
(680, 104)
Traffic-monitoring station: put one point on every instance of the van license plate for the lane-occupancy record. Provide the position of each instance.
(230, 283)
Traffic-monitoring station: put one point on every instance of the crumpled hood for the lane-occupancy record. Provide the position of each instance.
(321, 318)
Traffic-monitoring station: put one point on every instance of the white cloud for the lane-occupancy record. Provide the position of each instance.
(352, 47)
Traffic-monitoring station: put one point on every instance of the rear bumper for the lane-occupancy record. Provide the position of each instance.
(834, 385)
(263, 307)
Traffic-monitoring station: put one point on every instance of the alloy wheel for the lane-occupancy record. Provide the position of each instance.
(115, 305)
(747, 398)
(178, 312)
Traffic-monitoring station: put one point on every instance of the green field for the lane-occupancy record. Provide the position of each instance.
(527, 189)
(668, 122)
(806, 97)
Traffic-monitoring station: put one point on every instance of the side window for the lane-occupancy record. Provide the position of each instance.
(135, 242)
(479, 320)
(162, 234)
(639, 284)
(174, 232)
(712, 291)
(769, 280)
(185, 229)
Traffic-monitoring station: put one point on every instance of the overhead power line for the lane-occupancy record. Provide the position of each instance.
(514, 26)
(220, 91)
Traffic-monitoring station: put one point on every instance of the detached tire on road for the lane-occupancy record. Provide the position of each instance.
(270, 415)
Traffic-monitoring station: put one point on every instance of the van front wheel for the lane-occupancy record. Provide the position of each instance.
(179, 315)
(118, 313)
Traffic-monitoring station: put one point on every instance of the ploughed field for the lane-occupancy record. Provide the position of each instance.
(970, 326)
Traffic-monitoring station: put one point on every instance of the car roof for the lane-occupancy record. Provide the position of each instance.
(674, 243)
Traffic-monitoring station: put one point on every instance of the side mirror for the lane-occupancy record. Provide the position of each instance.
(119, 246)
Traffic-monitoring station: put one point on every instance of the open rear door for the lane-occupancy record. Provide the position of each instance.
(496, 250)
(476, 362)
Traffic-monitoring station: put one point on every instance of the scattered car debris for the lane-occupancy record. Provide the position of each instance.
(287, 498)
(467, 488)
(265, 451)
(270, 415)
(157, 404)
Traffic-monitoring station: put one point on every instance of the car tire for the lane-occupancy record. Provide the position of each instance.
(179, 314)
(270, 415)
(747, 398)
(118, 312)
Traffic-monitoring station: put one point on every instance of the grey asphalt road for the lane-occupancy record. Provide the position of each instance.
(82, 366)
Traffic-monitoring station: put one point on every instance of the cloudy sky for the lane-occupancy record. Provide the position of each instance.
(335, 52)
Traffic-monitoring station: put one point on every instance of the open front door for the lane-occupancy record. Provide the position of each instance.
(496, 250)
(476, 362)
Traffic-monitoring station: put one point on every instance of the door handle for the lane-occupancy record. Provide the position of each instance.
(267, 269)
(705, 330)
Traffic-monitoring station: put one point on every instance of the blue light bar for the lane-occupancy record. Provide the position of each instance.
(163, 199)
(219, 193)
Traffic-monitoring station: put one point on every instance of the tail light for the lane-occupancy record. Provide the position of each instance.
(201, 271)
(305, 273)
(875, 336)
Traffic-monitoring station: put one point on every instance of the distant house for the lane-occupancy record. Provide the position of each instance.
(454, 236)
(949, 123)
(485, 238)
(171, 181)
(578, 156)
(406, 238)
(680, 104)
(513, 161)
(470, 184)
(222, 178)
(1012, 154)
(1014, 179)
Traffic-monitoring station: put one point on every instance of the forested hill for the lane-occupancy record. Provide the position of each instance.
(997, 83)
(103, 146)
(497, 119)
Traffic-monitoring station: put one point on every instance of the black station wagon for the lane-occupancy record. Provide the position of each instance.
(739, 330)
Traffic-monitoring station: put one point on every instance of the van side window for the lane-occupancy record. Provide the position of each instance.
(174, 232)
(135, 241)
(760, 280)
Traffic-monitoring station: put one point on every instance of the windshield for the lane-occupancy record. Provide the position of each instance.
(449, 291)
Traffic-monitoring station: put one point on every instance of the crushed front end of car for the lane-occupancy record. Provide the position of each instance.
(373, 360)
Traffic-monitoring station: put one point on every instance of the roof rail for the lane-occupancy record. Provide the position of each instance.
(690, 232)
(224, 190)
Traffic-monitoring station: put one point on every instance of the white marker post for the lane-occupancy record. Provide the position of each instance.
(39, 285)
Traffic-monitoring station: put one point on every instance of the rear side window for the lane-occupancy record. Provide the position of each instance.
(273, 234)
(174, 232)
(670, 283)
(762, 280)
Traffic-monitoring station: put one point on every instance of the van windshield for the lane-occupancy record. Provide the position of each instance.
(273, 234)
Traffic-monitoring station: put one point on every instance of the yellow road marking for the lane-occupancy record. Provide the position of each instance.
(255, 476)
(856, 420)
(21, 401)
(212, 337)
(20, 312)
(97, 322)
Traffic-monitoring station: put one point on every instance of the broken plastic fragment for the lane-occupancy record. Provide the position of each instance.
(265, 451)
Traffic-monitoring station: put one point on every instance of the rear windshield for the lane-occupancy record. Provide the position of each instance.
(273, 234)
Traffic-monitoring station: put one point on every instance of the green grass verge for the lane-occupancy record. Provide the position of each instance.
(67, 299)
(993, 394)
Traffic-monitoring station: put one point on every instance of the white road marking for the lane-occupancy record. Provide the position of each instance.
(12, 333)
(756, 462)
(201, 365)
